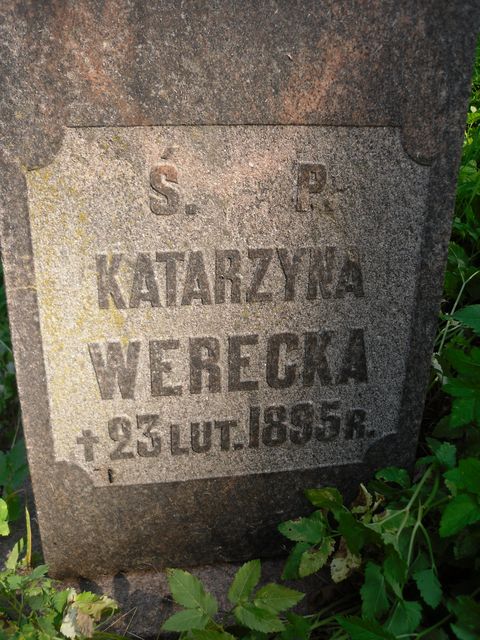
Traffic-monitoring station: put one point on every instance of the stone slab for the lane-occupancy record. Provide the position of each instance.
(224, 230)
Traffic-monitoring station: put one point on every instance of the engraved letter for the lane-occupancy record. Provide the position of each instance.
(175, 443)
(350, 279)
(224, 273)
(159, 366)
(170, 258)
(275, 342)
(201, 438)
(116, 369)
(315, 360)
(264, 257)
(200, 362)
(106, 283)
(196, 281)
(144, 285)
(161, 179)
(355, 424)
(354, 363)
(321, 272)
(225, 426)
(311, 179)
(237, 362)
(290, 269)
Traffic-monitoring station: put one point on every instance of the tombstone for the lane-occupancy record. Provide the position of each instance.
(224, 232)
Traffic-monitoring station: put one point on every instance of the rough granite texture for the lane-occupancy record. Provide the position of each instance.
(386, 79)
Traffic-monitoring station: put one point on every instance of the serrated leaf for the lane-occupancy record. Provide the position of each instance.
(469, 317)
(38, 572)
(311, 529)
(186, 620)
(466, 475)
(364, 629)
(292, 564)
(406, 617)
(395, 571)
(258, 619)
(245, 580)
(446, 455)
(277, 597)
(326, 498)
(429, 587)
(14, 581)
(463, 409)
(467, 611)
(60, 600)
(374, 595)
(394, 474)
(314, 559)
(298, 628)
(461, 511)
(188, 591)
(463, 634)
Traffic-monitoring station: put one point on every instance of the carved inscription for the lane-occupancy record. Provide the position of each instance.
(232, 278)
(195, 324)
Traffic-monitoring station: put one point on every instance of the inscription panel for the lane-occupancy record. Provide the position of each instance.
(224, 300)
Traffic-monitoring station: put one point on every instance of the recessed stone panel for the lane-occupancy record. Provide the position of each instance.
(220, 301)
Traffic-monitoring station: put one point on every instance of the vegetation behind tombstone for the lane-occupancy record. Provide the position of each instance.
(404, 559)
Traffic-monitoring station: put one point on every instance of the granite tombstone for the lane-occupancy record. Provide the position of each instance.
(224, 230)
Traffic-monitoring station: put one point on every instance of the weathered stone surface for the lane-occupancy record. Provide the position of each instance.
(224, 232)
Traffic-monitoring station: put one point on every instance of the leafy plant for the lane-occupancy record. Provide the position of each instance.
(253, 613)
(31, 606)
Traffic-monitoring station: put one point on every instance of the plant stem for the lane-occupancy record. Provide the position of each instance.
(454, 308)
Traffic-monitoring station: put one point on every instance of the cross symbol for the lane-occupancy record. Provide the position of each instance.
(88, 440)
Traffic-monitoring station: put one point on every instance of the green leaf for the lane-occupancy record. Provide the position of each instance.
(394, 474)
(463, 634)
(186, 620)
(374, 595)
(311, 529)
(277, 597)
(3, 510)
(326, 498)
(354, 532)
(188, 591)
(466, 475)
(314, 559)
(38, 572)
(245, 580)
(364, 629)
(290, 570)
(298, 628)
(463, 410)
(469, 317)
(467, 611)
(395, 571)
(258, 619)
(60, 600)
(461, 511)
(13, 556)
(429, 587)
(445, 453)
(406, 617)
(4, 529)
